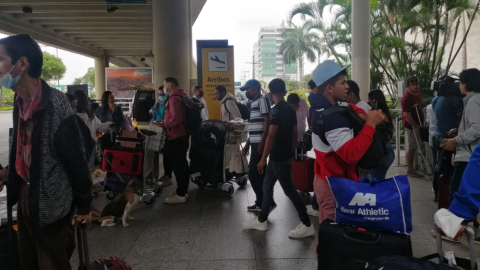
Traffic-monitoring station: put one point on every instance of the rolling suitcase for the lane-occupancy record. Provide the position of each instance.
(108, 263)
(342, 247)
(123, 162)
(303, 172)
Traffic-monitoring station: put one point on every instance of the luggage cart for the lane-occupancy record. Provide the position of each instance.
(151, 189)
(211, 171)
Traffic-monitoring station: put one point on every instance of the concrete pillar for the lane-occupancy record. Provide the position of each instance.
(361, 27)
(100, 81)
(171, 34)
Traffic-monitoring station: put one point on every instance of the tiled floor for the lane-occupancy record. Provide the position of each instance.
(206, 233)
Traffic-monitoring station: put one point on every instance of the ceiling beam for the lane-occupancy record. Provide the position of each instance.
(120, 62)
(118, 32)
(130, 52)
(60, 2)
(84, 16)
(126, 26)
(91, 21)
(134, 60)
(125, 46)
(11, 26)
(79, 8)
(103, 35)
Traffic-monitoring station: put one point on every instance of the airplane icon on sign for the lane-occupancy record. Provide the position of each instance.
(217, 60)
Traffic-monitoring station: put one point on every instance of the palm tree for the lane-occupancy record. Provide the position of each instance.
(299, 41)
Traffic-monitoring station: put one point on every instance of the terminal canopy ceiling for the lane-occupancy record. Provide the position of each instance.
(125, 33)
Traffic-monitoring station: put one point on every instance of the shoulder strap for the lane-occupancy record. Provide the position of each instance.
(225, 105)
(345, 111)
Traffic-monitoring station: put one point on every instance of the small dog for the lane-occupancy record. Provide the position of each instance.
(121, 205)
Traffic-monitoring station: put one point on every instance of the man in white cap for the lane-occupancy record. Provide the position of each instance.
(339, 154)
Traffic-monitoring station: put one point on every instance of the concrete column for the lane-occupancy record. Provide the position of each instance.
(361, 27)
(99, 77)
(171, 34)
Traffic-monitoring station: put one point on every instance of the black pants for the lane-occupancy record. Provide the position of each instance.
(256, 179)
(175, 152)
(457, 178)
(50, 250)
(281, 171)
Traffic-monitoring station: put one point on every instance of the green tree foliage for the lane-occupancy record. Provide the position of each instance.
(88, 78)
(393, 56)
(53, 67)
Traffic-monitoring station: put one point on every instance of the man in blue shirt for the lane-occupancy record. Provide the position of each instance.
(158, 110)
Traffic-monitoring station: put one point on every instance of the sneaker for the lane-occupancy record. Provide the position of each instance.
(272, 208)
(165, 181)
(186, 195)
(254, 224)
(414, 173)
(302, 231)
(254, 208)
(175, 199)
(312, 212)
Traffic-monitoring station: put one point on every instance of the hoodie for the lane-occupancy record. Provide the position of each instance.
(340, 156)
(175, 115)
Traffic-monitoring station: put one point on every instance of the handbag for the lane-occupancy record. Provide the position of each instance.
(238, 164)
(376, 204)
(127, 123)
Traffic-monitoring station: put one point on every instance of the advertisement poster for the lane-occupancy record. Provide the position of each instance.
(118, 78)
(217, 69)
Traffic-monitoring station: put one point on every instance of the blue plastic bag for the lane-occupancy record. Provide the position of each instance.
(382, 205)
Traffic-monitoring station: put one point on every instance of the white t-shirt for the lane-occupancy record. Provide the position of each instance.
(302, 114)
(362, 104)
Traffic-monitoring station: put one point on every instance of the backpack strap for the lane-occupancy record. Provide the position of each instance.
(345, 111)
(225, 105)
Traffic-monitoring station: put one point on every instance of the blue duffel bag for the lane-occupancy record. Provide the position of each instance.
(376, 204)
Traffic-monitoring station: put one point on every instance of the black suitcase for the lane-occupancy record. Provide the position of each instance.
(342, 247)
(8, 245)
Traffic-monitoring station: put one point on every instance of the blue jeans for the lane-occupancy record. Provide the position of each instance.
(381, 172)
(256, 179)
(466, 201)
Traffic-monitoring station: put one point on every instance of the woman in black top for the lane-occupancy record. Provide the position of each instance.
(376, 98)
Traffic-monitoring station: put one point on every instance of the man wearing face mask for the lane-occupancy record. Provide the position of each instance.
(49, 176)
(198, 94)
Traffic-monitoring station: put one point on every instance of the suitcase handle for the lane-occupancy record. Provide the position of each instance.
(362, 237)
(471, 246)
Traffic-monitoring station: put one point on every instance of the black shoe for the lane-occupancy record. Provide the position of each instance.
(272, 208)
(254, 208)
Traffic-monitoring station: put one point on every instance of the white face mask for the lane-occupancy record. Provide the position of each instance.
(7, 81)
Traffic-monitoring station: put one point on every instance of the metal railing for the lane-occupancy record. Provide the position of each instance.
(398, 134)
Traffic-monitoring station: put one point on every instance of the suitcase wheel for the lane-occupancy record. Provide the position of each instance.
(228, 188)
(151, 202)
(242, 181)
(111, 195)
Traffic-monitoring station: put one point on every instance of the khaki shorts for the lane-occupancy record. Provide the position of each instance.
(411, 143)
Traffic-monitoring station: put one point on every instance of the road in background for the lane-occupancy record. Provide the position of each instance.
(5, 124)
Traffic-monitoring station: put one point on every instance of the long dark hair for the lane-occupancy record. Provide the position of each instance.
(105, 96)
(83, 106)
(378, 96)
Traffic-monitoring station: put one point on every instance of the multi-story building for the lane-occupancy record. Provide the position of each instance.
(267, 61)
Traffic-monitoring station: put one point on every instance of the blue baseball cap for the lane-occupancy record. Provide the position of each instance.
(325, 71)
(251, 83)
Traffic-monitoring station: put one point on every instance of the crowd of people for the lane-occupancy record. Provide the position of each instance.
(51, 182)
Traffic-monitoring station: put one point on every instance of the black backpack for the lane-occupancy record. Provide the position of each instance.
(193, 111)
(244, 110)
(375, 155)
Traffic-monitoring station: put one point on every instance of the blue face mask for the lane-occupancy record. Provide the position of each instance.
(166, 92)
(8, 81)
(162, 98)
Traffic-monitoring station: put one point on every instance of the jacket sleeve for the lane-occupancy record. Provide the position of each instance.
(75, 146)
(101, 127)
(472, 114)
(339, 134)
(176, 112)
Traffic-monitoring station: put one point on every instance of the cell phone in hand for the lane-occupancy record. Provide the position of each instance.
(374, 105)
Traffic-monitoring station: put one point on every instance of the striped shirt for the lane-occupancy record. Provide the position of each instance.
(259, 108)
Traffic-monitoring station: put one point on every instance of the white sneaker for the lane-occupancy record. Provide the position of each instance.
(302, 231)
(186, 195)
(175, 199)
(254, 224)
(312, 212)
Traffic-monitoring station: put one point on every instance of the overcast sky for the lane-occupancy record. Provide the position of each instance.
(237, 21)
